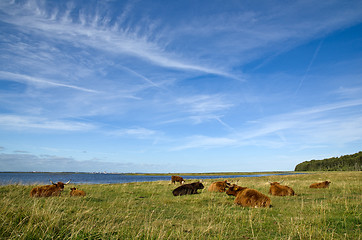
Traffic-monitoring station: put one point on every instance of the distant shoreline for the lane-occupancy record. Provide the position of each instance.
(160, 174)
(211, 173)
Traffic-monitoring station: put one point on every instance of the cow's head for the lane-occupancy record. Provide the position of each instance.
(234, 189)
(60, 185)
(200, 185)
(275, 183)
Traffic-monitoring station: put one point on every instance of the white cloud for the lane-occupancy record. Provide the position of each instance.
(349, 92)
(204, 103)
(40, 81)
(137, 132)
(298, 129)
(25, 122)
(103, 37)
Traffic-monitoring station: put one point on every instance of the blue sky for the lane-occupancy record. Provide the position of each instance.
(178, 86)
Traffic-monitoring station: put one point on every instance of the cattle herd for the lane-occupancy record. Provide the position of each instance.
(244, 196)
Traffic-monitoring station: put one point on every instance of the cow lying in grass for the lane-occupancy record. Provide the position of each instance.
(280, 190)
(248, 197)
(75, 192)
(324, 184)
(219, 186)
(190, 188)
(48, 190)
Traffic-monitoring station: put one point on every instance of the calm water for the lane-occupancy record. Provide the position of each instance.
(99, 178)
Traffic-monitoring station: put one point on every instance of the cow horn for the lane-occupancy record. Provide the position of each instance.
(52, 182)
(67, 182)
(281, 181)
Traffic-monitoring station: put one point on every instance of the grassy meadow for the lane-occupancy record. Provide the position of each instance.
(150, 211)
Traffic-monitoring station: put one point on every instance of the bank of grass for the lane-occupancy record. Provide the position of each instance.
(150, 211)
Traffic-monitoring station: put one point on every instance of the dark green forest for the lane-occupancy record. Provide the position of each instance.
(351, 162)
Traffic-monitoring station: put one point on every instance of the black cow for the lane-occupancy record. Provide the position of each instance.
(190, 188)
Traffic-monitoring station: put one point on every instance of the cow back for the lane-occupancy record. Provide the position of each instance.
(186, 189)
(280, 190)
(77, 193)
(324, 184)
(47, 190)
(218, 186)
(252, 198)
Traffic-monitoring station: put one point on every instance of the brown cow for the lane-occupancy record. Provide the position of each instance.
(175, 179)
(280, 190)
(248, 197)
(219, 186)
(324, 184)
(75, 192)
(48, 190)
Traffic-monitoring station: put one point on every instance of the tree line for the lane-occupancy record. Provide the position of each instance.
(351, 162)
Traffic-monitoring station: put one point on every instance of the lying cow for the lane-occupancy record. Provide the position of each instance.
(219, 186)
(175, 179)
(324, 184)
(248, 197)
(190, 188)
(48, 190)
(280, 190)
(75, 192)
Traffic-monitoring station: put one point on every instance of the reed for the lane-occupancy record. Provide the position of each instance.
(150, 211)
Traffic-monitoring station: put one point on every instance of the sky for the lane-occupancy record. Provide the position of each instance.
(178, 86)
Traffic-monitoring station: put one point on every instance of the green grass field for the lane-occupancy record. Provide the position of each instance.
(150, 211)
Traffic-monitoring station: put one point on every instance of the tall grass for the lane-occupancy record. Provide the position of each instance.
(150, 211)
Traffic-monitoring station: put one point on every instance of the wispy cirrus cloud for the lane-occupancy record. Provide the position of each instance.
(216, 41)
(240, 33)
(26, 122)
(201, 108)
(309, 122)
(316, 125)
(40, 81)
(204, 103)
(349, 92)
(101, 35)
(137, 132)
